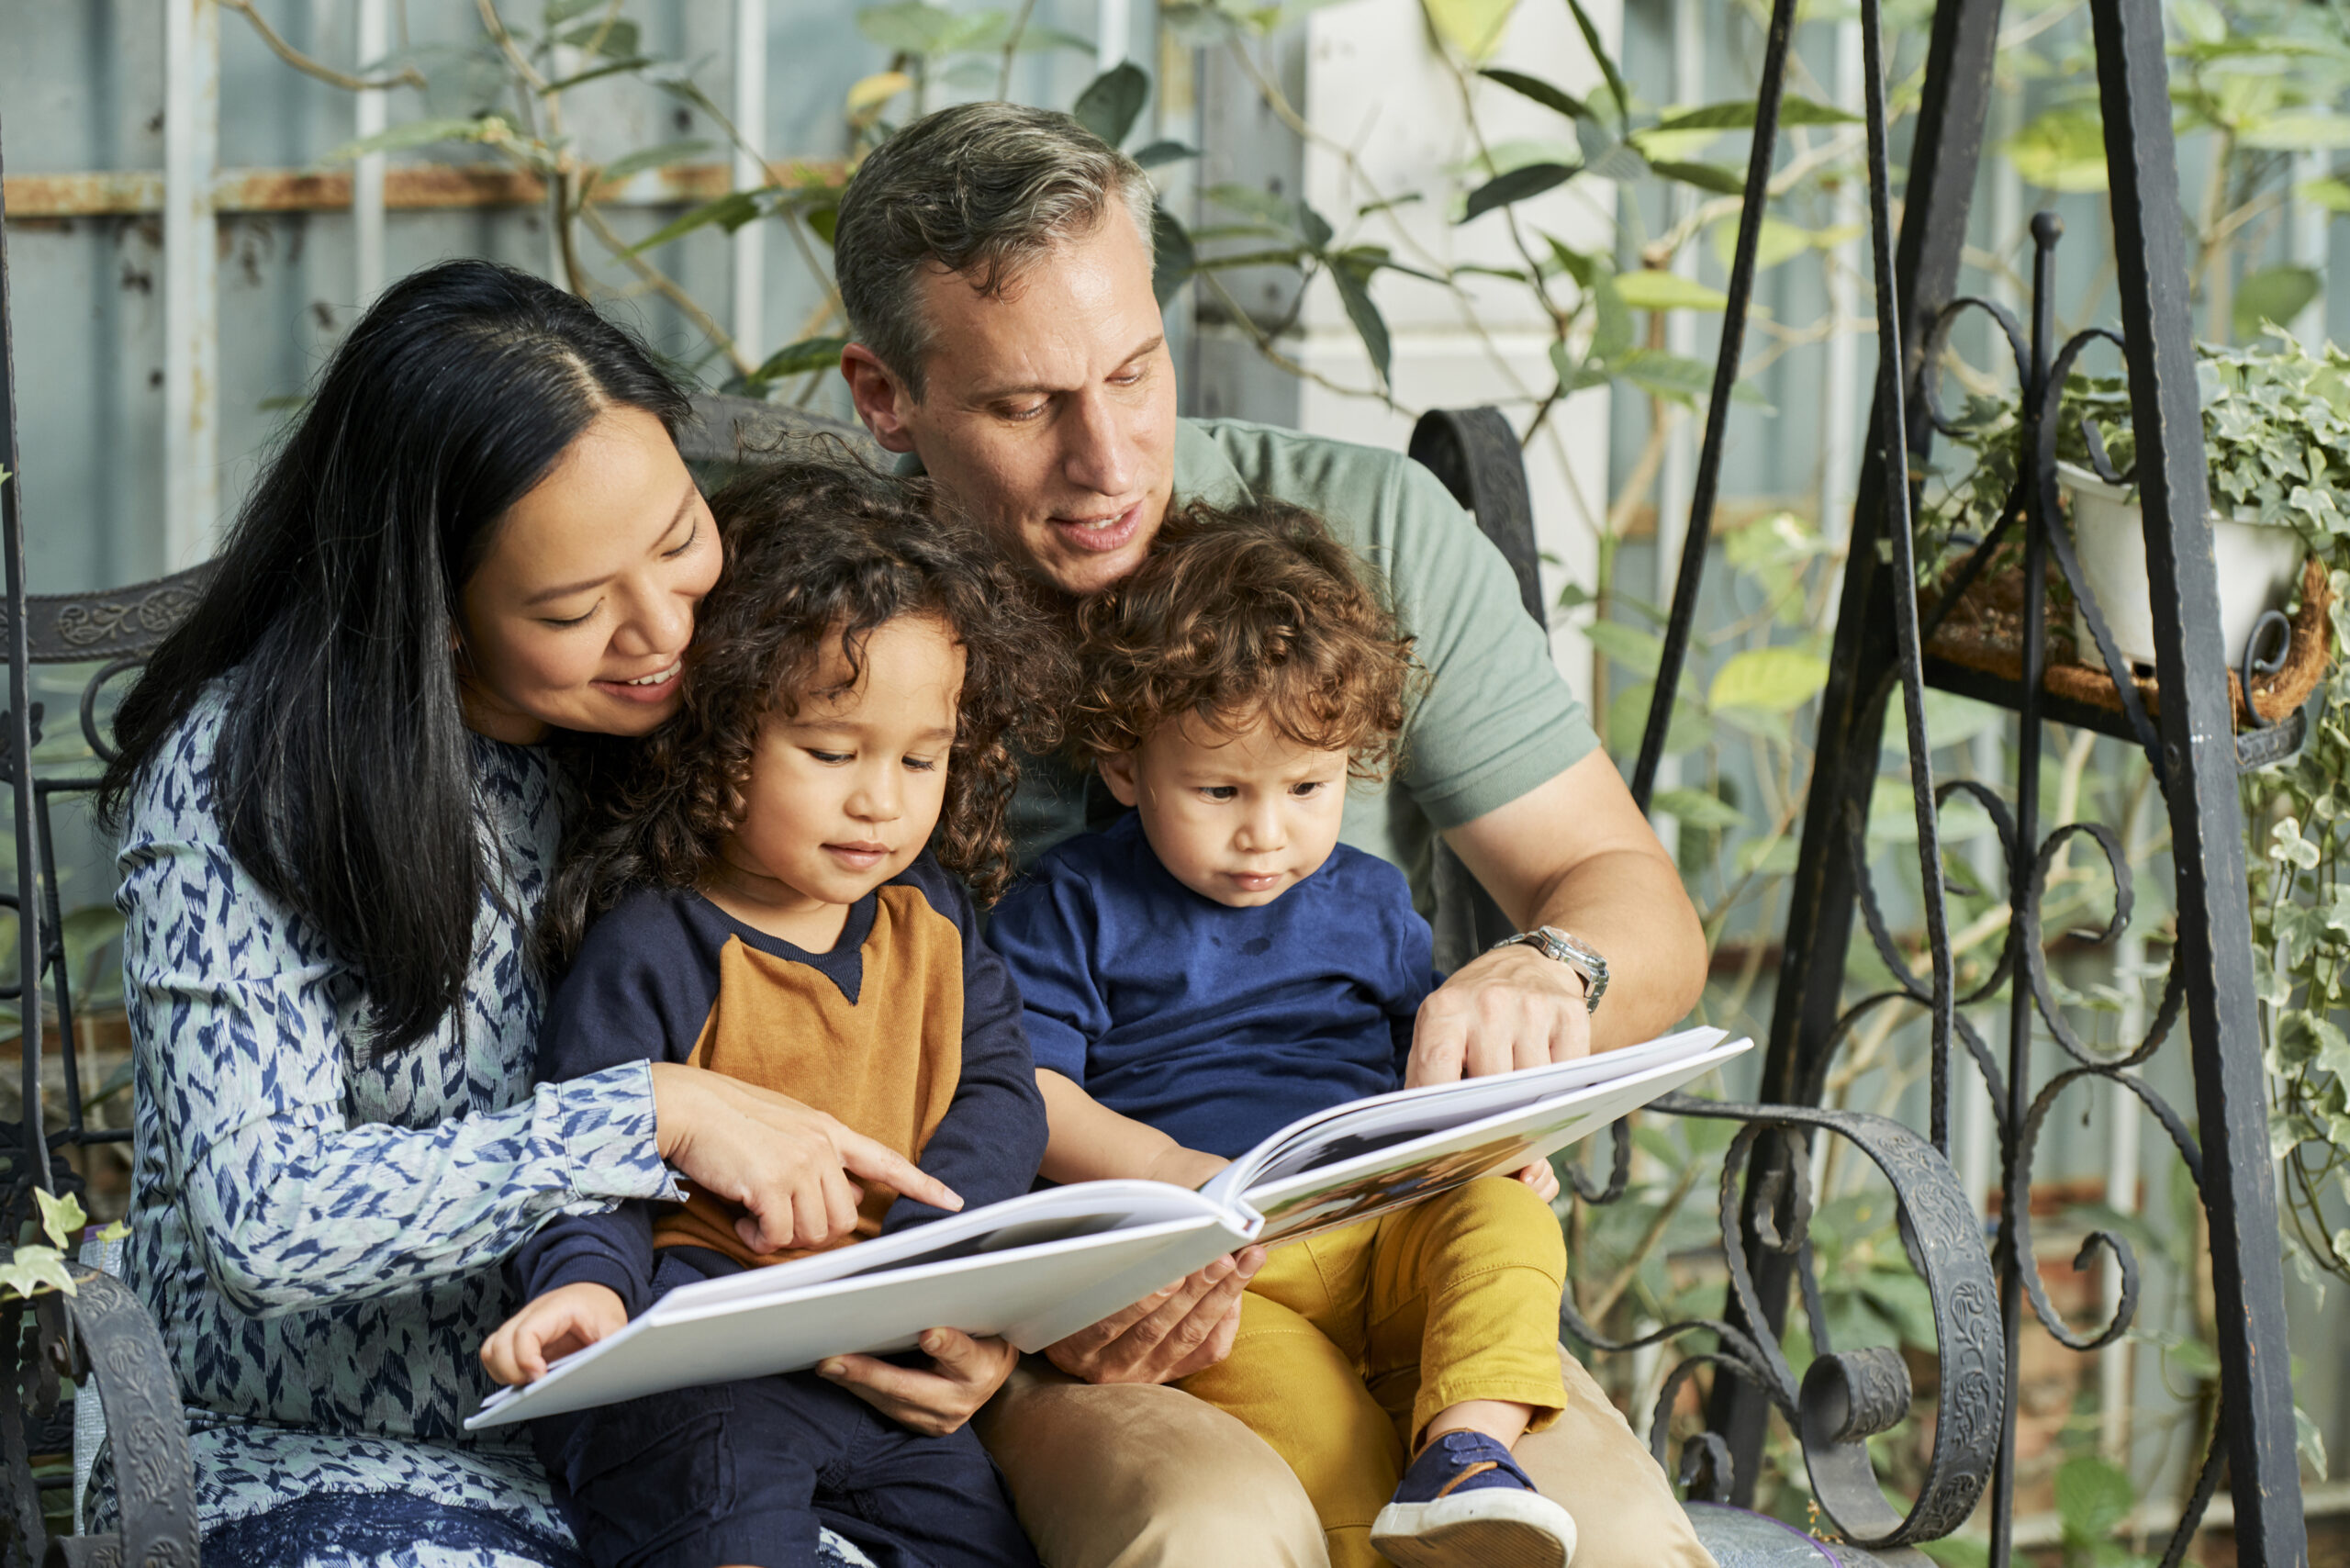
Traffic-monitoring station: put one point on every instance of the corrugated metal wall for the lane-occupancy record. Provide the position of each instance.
(83, 91)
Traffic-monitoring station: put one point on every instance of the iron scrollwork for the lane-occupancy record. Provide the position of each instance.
(1847, 1397)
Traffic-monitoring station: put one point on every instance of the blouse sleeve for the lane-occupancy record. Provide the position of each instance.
(241, 1024)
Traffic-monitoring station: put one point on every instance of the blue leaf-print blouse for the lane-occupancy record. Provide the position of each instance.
(317, 1231)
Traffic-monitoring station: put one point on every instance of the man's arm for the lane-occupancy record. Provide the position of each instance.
(1574, 853)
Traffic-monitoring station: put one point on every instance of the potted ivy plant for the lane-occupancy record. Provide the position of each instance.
(2277, 445)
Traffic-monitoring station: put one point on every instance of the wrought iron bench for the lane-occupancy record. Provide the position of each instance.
(103, 1336)
(1844, 1396)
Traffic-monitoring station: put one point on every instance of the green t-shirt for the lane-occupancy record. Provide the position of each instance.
(1494, 719)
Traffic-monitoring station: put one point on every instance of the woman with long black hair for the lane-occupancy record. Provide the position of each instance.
(339, 819)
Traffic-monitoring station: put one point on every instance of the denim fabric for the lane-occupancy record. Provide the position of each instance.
(750, 1472)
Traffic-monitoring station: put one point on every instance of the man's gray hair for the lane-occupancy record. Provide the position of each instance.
(982, 190)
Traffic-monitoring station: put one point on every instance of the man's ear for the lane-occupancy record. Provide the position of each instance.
(882, 399)
(1118, 772)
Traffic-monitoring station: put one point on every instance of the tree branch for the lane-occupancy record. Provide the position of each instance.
(406, 76)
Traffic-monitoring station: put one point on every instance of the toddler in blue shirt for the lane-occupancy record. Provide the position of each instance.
(1217, 965)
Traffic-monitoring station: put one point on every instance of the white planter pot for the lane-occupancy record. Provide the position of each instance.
(2259, 565)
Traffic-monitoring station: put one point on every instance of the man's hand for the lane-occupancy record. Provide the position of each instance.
(1184, 1329)
(567, 1319)
(788, 1164)
(1506, 1009)
(967, 1373)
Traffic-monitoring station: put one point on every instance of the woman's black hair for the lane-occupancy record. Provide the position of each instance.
(344, 775)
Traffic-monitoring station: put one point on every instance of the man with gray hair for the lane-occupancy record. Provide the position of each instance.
(995, 262)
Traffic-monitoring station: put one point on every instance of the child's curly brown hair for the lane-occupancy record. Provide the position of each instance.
(1241, 612)
(814, 550)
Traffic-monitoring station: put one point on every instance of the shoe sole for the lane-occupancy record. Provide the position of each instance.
(1482, 1529)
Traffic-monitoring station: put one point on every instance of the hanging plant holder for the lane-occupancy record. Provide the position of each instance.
(1983, 632)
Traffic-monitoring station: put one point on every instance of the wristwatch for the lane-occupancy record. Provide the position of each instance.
(1578, 955)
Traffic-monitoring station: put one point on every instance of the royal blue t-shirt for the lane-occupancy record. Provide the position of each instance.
(1216, 1025)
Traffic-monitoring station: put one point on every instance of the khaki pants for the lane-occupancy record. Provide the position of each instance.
(1136, 1475)
(1352, 1341)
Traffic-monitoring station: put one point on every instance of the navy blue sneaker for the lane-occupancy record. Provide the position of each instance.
(1465, 1504)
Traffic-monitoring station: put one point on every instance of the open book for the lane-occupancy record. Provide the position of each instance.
(1038, 1267)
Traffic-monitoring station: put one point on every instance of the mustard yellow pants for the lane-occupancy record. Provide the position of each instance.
(1352, 1341)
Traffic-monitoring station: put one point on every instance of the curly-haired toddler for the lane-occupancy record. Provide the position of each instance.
(1217, 965)
(772, 887)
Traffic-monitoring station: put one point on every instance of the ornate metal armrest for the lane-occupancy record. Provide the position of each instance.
(1848, 1397)
(103, 1339)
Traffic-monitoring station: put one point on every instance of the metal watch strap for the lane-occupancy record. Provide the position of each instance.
(1563, 948)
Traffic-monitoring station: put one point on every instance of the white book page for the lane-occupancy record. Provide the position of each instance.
(1306, 1143)
(1033, 1219)
(1031, 1297)
(1033, 1269)
(1410, 1158)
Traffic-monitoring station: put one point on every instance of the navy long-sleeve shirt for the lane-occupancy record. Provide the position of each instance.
(1217, 1026)
(909, 1030)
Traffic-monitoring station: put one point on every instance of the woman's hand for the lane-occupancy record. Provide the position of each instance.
(1542, 1179)
(786, 1163)
(966, 1374)
(567, 1319)
(1184, 1329)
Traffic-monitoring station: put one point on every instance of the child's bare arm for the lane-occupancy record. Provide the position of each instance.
(1090, 1142)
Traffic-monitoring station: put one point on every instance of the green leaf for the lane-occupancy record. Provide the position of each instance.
(1776, 680)
(2331, 193)
(418, 133)
(1571, 262)
(1173, 258)
(1618, 93)
(659, 157)
(1541, 92)
(2093, 1498)
(2309, 1438)
(910, 27)
(732, 210)
(1698, 808)
(1473, 28)
(1628, 717)
(1611, 332)
(59, 1217)
(617, 40)
(1904, 1301)
(1155, 153)
(1647, 289)
(801, 358)
(1737, 114)
(1705, 176)
(1353, 281)
(2308, 132)
(2277, 295)
(1113, 101)
(1314, 227)
(34, 1270)
(558, 12)
(1677, 379)
(1779, 242)
(597, 72)
(1533, 179)
(88, 931)
(2062, 148)
(1638, 651)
